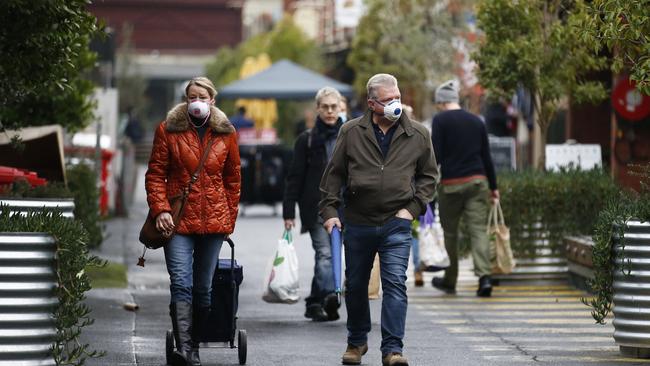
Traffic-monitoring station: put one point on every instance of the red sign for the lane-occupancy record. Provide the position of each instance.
(628, 102)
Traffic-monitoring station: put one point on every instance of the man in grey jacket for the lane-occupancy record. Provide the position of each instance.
(385, 165)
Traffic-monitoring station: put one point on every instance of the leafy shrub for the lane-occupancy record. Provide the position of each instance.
(546, 206)
(83, 185)
(71, 314)
(610, 227)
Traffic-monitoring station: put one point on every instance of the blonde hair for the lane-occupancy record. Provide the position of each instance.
(203, 82)
(377, 80)
(325, 91)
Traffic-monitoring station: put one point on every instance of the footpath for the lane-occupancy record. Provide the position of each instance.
(521, 324)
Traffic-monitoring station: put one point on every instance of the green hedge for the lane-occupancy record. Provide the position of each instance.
(82, 182)
(71, 314)
(550, 205)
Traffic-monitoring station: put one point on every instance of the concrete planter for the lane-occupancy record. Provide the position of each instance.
(579, 256)
(27, 300)
(631, 291)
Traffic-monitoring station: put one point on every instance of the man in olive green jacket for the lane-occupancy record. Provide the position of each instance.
(385, 165)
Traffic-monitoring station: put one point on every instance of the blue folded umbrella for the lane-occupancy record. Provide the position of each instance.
(335, 241)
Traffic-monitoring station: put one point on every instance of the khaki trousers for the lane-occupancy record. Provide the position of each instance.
(471, 202)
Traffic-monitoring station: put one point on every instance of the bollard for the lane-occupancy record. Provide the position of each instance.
(632, 292)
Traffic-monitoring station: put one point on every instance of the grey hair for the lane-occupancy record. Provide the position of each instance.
(326, 91)
(386, 80)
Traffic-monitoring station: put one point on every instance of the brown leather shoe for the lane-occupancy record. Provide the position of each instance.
(394, 359)
(352, 355)
(419, 281)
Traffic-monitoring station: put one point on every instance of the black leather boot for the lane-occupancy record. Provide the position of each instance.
(201, 318)
(484, 286)
(181, 313)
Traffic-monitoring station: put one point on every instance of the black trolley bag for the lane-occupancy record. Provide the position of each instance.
(221, 326)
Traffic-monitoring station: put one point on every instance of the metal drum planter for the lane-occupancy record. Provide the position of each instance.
(631, 290)
(27, 299)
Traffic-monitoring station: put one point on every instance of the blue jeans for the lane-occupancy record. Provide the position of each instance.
(415, 253)
(323, 282)
(191, 261)
(393, 242)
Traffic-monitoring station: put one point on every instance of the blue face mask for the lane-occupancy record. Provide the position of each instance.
(343, 116)
(392, 109)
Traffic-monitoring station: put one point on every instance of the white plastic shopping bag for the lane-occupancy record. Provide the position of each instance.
(433, 255)
(282, 285)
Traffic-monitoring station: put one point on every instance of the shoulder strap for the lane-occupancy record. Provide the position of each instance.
(195, 176)
(309, 136)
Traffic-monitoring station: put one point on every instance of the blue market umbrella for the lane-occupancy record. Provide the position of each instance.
(335, 241)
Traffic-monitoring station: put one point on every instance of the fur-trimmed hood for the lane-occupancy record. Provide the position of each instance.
(178, 120)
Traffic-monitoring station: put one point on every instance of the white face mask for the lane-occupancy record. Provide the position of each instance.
(392, 109)
(343, 116)
(198, 108)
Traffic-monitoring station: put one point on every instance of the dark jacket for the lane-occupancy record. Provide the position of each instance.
(375, 188)
(461, 146)
(213, 202)
(307, 167)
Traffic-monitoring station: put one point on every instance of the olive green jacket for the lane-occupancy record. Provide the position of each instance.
(375, 188)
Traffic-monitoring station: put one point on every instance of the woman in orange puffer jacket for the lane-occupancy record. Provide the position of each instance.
(210, 211)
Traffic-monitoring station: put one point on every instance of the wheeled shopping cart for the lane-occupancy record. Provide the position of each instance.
(222, 322)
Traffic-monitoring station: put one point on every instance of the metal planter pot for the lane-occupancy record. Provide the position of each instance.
(632, 291)
(25, 205)
(27, 299)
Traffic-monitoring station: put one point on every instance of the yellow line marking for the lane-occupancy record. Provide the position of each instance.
(509, 314)
(564, 359)
(516, 321)
(506, 292)
(555, 330)
(475, 300)
(546, 338)
(560, 348)
(480, 307)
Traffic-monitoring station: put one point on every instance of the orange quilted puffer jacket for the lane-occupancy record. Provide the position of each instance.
(213, 203)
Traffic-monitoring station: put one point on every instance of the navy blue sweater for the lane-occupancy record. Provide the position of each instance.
(461, 146)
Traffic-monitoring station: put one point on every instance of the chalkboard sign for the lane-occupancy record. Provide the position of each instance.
(503, 153)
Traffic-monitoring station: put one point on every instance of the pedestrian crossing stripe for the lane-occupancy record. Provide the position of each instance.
(540, 321)
(605, 339)
(532, 323)
(478, 301)
(500, 314)
(572, 359)
(514, 306)
(537, 330)
(554, 348)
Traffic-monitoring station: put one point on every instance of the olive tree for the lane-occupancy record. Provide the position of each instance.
(623, 28)
(410, 39)
(534, 44)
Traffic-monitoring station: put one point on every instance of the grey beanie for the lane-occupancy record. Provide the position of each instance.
(447, 92)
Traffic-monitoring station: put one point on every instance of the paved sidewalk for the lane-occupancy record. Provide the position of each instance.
(522, 324)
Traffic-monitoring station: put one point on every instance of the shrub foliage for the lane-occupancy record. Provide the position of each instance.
(71, 314)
